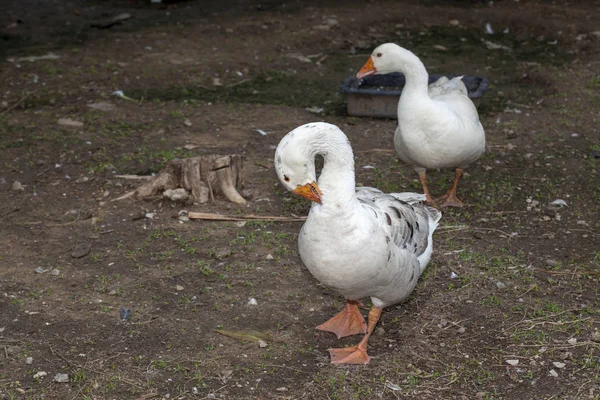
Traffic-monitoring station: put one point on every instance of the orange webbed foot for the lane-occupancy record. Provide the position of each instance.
(347, 322)
(349, 355)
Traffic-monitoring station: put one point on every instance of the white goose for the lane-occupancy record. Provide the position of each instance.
(438, 126)
(358, 241)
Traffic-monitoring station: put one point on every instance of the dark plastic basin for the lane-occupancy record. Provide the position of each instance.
(377, 95)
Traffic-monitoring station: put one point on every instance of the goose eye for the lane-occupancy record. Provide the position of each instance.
(286, 178)
(378, 54)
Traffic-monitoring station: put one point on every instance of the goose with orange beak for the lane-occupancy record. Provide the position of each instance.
(360, 242)
(438, 125)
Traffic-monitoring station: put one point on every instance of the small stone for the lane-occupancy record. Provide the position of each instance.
(379, 331)
(81, 250)
(282, 389)
(454, 22)
(40, 270)
(566, 355)
(262, 344)
(179, 288)
(252, 301)
(61, 378)
(551, 263)
(462, 329)
(559, 364)
(269, 257)
(572, 341)
(222, 253)
(40, 374)
(103, 106)
(55, 272)
(240, 224)
(112, 292)
(553, 373)
(187, 122)
(500, 285)
(69, 122)
(179, 194)
(17, 186)
(596, 336)
(149, 215)
(512, 362)
(29, 360)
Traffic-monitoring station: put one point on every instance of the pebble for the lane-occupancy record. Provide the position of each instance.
(40, 374)
(81, 250)
(179, 288)
(572, 341)
(596, 336)
(70, 122)
(55, 272)
(551, 263)
(559, 364)
(82, 179)
(269, 257)
(500, 285)
(282, 389)
(103, 106)
(29, 360)
(17, 186)
(462, 329)
(512, 362)
(149, 215)
(553, 373)
(179, 194)
(61, 378)
(112, 292)
(40, 270)
(252, 301)
(262, 344)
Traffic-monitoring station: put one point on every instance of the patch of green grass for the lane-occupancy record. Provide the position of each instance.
(594, 83)
(275, 87)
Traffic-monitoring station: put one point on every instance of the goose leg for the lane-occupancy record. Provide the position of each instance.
(357, 354)
(450, 199)
(347, 322)
(423, 179)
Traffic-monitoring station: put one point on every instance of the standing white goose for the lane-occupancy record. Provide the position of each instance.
(358, 241)
(438, 126)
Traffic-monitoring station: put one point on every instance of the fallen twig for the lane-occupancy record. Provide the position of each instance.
(10, 212)
(135, 177)
(586, 272)
(247, 217)
(14, 105)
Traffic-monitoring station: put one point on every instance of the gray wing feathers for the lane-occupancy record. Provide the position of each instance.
(408, 220)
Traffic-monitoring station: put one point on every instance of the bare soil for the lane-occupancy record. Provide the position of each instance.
(512, 278)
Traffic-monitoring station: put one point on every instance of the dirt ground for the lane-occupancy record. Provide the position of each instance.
(507, 309)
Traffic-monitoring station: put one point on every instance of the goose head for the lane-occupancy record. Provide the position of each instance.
(295, 165)
(386, 58)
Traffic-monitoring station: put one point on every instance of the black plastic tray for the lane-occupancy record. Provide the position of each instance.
(391, 84)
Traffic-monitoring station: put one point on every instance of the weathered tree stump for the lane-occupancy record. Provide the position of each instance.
(202, 176)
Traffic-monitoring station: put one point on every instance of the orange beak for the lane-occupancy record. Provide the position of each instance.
(309, 191)
(367, 69)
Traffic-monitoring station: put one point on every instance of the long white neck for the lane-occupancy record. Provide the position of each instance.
(337, 176)
(417, 78)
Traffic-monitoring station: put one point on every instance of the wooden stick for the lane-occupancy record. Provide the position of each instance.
(135, 177)
(247, 217)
